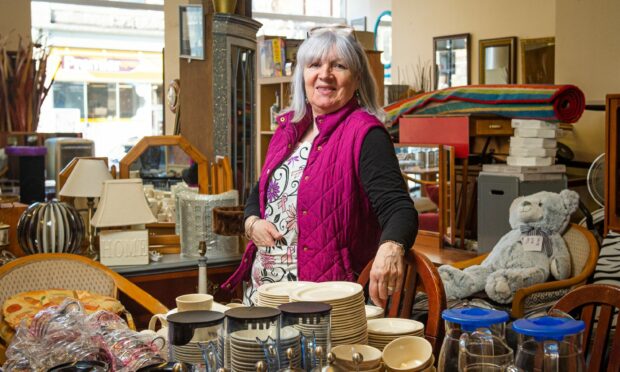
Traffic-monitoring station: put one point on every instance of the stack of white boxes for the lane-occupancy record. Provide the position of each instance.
(533, 144)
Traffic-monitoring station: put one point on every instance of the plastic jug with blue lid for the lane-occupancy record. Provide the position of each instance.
(549, 344)
(473, 318)
(548, 327)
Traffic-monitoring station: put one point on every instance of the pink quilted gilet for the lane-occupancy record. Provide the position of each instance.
(338, 231)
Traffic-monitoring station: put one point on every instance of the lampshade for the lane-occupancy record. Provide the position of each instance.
(122, 203)
(86, 180)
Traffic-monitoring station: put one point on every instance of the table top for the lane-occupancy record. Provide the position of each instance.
(173, 263)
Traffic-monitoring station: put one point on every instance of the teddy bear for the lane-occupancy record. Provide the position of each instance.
(524, 256)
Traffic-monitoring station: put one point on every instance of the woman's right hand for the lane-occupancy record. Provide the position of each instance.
(262, 232)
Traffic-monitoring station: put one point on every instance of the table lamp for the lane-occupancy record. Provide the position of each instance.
(86, 181)
(123, 203)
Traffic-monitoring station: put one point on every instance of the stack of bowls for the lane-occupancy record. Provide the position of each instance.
(409, 354)
(245, 351)
(371, 358)
(382, 331)
(348, 316)
(374, 312)
(276, 294)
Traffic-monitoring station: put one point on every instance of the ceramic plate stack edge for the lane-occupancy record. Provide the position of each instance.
(245, 351)
(275, 294)
(348, 315)
(382, 331)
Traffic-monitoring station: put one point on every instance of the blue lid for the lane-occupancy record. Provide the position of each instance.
(472, 318)
(548, 327)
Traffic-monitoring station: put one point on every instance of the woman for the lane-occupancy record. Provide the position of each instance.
(330, 191)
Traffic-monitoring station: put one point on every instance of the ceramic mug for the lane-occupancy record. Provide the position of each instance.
(163, 331)
(194, 301)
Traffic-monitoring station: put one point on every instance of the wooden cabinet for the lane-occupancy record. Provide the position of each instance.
(166, 284)
(612, 162)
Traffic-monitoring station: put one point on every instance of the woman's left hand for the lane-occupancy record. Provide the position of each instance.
(386, 274)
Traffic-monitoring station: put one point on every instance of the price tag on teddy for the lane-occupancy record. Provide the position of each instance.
(532, 243)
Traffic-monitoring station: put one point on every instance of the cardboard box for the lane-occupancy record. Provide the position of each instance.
(366, 38)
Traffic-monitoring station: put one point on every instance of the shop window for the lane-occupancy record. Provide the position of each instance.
(69, 95)
(129, 100)
(101, 100)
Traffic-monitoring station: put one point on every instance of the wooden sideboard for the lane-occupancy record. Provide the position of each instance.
(174, 276)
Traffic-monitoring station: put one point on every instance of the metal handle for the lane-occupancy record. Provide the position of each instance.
(495, 126)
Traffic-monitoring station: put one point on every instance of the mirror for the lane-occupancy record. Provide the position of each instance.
(159, 160)
(383, 41)
(451, 56)
(538, 60)
(160, 166)
(428, 171)
(497, 61)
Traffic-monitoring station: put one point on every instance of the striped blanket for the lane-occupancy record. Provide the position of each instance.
(555, 103)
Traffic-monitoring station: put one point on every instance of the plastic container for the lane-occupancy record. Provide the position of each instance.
(309, 325)
(252, 336)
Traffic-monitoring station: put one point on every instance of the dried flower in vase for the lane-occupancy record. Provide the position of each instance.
(23, 85)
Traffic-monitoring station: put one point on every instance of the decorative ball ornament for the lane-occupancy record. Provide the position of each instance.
(53, 227)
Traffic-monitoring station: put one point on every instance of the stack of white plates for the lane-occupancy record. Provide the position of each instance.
(348, 316)
(374, 312)
(245, 351)
(276, 294)
(382, 331)
(189, 353)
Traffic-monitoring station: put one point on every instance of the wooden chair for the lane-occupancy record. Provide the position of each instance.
(67, 271)
(584, 303)
(583, 249)
(420, 276)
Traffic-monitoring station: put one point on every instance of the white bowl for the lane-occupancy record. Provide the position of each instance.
(407, 354)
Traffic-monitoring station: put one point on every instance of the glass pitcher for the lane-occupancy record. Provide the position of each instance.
(481, 351)
(464, 320)
(550, 344)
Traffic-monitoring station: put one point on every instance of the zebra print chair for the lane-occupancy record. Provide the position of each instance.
(584, 251)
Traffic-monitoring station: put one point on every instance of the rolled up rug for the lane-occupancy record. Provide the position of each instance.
(554, 103)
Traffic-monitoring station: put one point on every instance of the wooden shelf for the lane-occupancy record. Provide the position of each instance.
(275, 80)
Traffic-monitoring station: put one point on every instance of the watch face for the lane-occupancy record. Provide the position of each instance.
(173, 95)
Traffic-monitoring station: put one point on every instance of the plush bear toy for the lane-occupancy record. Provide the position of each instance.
(524, 256)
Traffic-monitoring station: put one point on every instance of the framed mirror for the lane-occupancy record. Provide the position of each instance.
(538, 60)
(497, 61)
(451, 58)
(159, 160)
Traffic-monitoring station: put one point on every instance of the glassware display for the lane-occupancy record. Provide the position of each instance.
(196, 337)
(467, 320)
(253, 338)
(312, 320)
(196, 215)
(550, 343)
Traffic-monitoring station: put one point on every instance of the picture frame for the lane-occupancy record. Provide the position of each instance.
(497, 59)
(451, 60)
(538, 60)
(191, 32)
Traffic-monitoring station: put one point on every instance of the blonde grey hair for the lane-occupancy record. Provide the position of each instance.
(316, 48)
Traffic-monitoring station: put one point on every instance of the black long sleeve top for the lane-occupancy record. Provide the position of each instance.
(384, 185)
